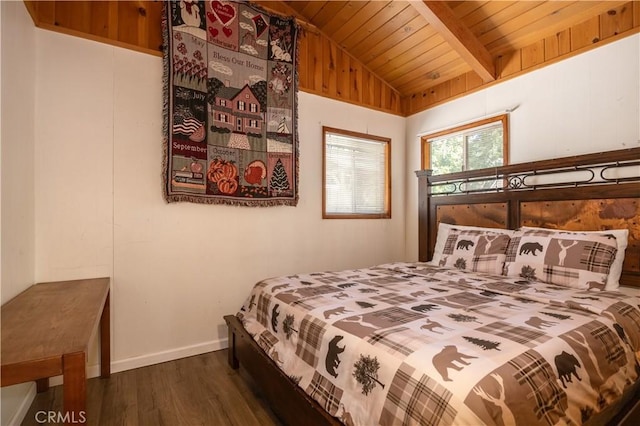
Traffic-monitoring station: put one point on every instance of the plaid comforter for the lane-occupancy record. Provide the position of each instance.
(411, 343)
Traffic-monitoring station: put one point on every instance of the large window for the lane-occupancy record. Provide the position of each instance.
(356, 175)
(476, 145)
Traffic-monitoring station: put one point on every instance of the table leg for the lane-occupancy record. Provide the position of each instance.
(74, 387)
(105, 340)
(42, 385)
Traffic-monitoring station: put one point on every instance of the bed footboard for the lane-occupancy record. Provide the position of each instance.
(231, 354)
(285, 397)
(630, 414)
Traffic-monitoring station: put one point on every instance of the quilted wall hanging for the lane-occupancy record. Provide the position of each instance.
(230, 104)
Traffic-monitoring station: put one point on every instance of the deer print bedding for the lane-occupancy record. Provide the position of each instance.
(414, 343)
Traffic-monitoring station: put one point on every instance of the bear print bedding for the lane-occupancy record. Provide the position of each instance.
(415, 343)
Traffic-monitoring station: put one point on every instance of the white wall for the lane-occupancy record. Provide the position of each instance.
(585, 104)
(18, 97)
(17, 42)
(176, 268)
(90, 150)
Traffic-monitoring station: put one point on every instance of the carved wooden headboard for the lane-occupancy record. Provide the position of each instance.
(587, 192)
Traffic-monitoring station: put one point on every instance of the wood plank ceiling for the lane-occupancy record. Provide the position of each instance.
(396, 56)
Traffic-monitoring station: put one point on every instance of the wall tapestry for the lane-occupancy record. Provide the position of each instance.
(230, 104)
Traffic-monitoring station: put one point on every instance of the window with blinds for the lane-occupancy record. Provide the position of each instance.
(356, 175)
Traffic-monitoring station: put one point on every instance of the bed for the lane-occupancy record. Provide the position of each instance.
(512, 315)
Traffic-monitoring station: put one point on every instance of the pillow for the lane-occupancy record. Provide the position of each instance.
(443, 229)
(477, 250)
(622, 240)
(571, 259)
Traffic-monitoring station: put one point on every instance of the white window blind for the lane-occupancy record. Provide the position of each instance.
(355, 175)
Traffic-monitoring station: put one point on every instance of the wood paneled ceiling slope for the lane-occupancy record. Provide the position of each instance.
(397, 56)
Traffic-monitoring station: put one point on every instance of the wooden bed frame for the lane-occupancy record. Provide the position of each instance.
(588, 192)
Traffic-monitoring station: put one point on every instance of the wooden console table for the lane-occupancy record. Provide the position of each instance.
(46, 331)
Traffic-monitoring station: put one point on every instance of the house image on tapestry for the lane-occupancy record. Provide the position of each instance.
(238, 110)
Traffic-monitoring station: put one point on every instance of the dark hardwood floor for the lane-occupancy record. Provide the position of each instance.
(199, 390)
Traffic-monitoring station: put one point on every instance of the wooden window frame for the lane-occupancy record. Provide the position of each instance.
(387, 196)
(425, 151)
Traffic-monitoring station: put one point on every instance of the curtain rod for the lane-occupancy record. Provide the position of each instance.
(494, 114)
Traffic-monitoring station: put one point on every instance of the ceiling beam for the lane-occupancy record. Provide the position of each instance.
(458, 36)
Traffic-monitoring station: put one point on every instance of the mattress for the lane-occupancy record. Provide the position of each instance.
(412, 343)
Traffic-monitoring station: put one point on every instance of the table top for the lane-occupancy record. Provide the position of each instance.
(49, 320)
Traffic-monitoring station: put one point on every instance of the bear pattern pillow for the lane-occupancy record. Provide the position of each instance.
(474, 250)
(443, 233)
(622, 240)
(571, 259)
